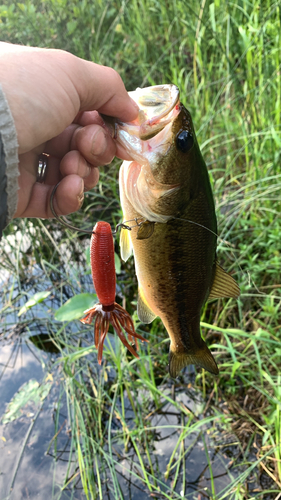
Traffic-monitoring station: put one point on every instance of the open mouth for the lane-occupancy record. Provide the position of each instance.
(158, 105)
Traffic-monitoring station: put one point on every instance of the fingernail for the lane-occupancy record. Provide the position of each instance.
(80, 196)
(137, 109)
(134, 104)
(80, 200)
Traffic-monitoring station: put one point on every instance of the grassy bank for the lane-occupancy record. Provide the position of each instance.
(225, 58)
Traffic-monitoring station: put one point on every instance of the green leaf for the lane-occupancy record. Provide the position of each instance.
(88, 260)
(235, 367)
(212, 16)
(35, 299)
(75, 307)
(21, 6)
(87, 254)
(71, 26)
(117, 263)
(30, 391)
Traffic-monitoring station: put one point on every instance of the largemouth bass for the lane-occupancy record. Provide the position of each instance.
(166, 188)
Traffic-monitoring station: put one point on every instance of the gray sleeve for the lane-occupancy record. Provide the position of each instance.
(8, 164)
(3, 189)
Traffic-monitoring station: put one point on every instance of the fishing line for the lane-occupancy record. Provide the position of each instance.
(138, 224)
(186, 220)
(121, 225)
(124, 225)
(62, 220)
(221, 240)
(200, 225)
(229, 245)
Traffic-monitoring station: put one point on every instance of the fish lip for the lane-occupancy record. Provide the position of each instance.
(155, 96)
(149, 135)
(157, 107)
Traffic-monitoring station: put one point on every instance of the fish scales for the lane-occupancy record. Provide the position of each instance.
(175, 272)
(176, 264)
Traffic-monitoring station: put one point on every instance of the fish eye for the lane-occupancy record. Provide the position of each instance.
(184, 141)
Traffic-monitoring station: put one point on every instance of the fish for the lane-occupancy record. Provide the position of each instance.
(165, 190)
(107, 311)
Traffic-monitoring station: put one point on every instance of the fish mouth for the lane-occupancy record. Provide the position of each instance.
(147, 140)
(158, 106)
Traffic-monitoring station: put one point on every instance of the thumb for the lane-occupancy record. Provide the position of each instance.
(101, 88)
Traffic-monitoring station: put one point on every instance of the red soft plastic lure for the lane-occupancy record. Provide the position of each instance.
(107, 311)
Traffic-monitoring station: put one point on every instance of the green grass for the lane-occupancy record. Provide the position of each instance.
(225, 58)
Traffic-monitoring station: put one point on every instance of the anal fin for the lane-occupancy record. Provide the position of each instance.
(224, 285)
(145, 314)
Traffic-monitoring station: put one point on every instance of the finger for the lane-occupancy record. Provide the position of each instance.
(95, 144)
(68, 198)
(74, 163)
(102, 88)
(93, 141)
(52, 175)
(61, 144)
(88, 118)
(91, 117)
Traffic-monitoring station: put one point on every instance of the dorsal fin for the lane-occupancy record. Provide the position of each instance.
(224, 285)
(126, 247)
(145, 314)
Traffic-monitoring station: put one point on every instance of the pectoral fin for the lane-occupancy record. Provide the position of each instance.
(224, 285)
(126, 247)
(145, 314)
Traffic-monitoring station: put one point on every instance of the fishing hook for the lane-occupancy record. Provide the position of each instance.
(62, 220)
(121, 225)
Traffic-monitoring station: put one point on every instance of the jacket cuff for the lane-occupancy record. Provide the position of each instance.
(8, 164)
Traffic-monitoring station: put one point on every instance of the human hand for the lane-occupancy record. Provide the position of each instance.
(55, 98)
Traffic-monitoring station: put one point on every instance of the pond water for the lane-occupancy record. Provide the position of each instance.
(28, 469)
(38, 459)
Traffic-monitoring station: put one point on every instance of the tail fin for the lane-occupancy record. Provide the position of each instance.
(202, 357)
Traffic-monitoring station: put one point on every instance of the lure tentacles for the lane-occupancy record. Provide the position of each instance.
(107, 311)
